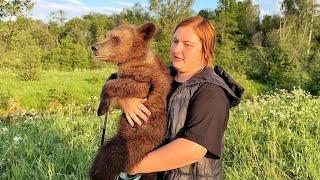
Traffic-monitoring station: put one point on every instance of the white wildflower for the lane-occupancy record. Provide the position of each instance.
(4, 129)
(17, 138)
(29, 118)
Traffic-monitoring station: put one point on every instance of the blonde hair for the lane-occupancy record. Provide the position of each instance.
(207, 34)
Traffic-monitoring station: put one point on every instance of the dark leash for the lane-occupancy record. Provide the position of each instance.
(121, 176)
(104, 127)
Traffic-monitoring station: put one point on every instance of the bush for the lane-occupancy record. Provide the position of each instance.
(28, 69)
(67, 56)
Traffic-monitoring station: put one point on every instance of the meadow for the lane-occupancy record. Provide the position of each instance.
(49, 129)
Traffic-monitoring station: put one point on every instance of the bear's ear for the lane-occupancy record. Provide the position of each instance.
(147, 30)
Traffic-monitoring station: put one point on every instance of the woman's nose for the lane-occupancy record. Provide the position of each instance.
(177, 47)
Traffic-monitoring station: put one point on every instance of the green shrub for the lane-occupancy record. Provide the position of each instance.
(67, 56)
(274, 136)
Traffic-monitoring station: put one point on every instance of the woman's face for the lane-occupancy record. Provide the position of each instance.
(186, 51)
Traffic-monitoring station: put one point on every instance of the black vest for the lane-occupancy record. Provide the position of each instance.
(206, 168)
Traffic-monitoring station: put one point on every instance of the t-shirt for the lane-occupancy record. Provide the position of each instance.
(206, 120)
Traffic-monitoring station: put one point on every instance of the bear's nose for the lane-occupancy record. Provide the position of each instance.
(94, 48)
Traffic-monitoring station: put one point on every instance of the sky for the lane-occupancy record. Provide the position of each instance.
(77, 8)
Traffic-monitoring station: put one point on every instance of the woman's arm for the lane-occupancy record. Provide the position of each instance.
(176, 154)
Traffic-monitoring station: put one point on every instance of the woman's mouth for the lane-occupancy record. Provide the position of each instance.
(177, 58)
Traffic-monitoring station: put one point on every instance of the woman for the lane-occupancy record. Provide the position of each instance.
(198, 108)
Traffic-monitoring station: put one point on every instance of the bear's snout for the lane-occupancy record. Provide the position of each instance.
(94, 48)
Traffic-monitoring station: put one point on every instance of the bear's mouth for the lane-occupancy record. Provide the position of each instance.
(105, 58)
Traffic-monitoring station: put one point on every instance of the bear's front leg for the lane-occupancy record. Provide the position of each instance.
(126, 88)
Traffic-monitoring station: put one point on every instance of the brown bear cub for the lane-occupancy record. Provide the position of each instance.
(142, 74)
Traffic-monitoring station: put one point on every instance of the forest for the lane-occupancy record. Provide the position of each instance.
(50, 83)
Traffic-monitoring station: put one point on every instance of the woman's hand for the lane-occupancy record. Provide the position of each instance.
(134, 109)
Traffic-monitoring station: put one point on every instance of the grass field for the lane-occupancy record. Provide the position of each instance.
(49, 129)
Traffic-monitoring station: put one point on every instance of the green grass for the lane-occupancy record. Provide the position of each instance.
(273, 136)
(276, 136)
(57, 89)
(58, 147)
(54, 88)
(252, 88)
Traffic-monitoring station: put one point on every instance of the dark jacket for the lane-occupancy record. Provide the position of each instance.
(206, 168)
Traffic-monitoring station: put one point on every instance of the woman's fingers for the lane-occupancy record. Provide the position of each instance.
(134, 109)
(141, 115)
(143, 108)
(135, 119)
(129, 120)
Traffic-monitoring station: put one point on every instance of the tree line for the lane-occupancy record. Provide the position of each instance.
(282, 50)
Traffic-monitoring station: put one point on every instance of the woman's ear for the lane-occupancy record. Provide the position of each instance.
(147, 30)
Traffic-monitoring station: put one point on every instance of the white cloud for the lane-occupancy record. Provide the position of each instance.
(77, 2)
(124, 3)
(72, 8)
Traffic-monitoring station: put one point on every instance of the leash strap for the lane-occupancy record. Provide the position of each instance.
(104, 127)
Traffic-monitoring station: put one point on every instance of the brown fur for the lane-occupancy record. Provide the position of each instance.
(141, 74)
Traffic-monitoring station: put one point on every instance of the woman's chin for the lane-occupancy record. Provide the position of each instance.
(177, 65)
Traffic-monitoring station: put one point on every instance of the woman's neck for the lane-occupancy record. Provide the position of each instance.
(185, 76)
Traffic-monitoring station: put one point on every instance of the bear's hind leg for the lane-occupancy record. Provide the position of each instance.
(110, 160)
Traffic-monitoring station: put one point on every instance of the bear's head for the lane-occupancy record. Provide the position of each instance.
(124, 43)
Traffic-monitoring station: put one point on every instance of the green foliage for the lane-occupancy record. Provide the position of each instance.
(251, 88)
(134, 15)
(68, 56)
(314, 85)
(4, 99)
(168, 14)
(14, 8)
(275, 136)
(21, 51)
(228, 20)
(282, 62)
(280, 51)
(54, 89)
(229, 56)
(99, 24)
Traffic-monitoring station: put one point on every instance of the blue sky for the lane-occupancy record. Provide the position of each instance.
(76, 8)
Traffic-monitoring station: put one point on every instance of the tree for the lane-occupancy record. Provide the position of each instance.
(9, 9)
(251, 19)
(134, 15)
(78, 30)
(98, 24)
(228, 19)
(168, 14)
(68, 55)
(206, 13)
(58, 17)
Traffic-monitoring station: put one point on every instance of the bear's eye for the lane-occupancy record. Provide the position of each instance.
(115, 40)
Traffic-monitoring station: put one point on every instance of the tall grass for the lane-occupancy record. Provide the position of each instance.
(273, 136)
(56, 147)
(54, 88)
